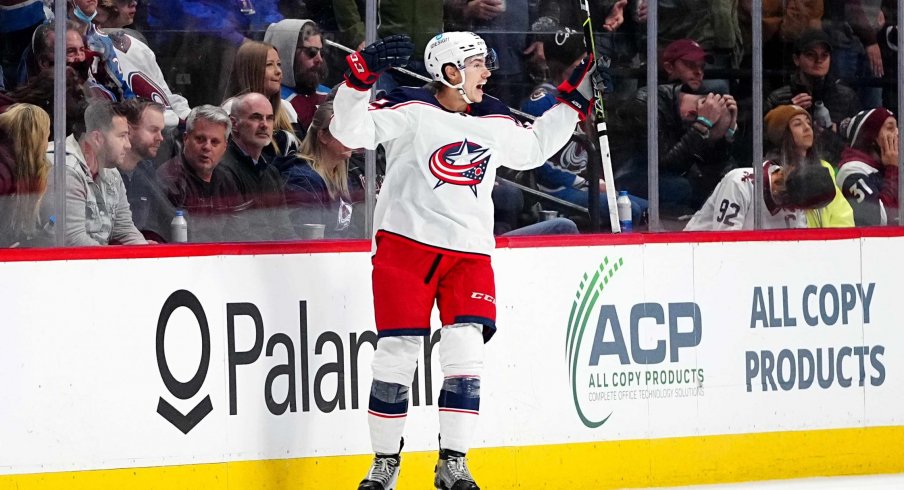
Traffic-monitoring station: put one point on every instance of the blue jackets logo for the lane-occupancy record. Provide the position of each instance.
(460, 163)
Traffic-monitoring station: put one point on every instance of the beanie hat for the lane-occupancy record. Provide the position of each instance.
(864, 127)
(777, 120)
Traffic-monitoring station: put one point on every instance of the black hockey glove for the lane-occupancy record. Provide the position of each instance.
(579, 90)
(365, 66)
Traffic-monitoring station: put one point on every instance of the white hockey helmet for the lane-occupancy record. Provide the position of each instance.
(452, 47)
(455, 48)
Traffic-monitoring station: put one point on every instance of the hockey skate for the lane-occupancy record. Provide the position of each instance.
(452, 472)
(383, 474)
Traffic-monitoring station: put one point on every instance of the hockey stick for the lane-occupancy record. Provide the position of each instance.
(599, 116)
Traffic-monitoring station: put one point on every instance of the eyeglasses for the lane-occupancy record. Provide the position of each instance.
(310, 51)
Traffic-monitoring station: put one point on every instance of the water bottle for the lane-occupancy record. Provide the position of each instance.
(821, 116)
(179, 228)
(624, 211)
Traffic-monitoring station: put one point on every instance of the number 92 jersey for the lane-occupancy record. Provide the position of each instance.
(730, 207)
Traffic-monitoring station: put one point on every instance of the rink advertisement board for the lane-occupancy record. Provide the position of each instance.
(608, 354)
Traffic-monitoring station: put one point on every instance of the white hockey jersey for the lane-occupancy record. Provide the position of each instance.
(143, 75)
(730, 206)
(441, 165)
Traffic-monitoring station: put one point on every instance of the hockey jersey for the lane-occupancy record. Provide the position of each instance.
(441, 165)
(143, 76)
(870, 187)
(730, 206)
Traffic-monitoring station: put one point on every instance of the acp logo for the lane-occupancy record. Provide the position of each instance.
(185, 422)
(640, 361)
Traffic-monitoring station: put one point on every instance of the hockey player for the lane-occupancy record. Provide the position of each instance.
(434, 226)
(787, 192)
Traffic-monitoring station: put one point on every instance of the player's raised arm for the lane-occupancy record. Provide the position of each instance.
(352, 123)
(534, 145)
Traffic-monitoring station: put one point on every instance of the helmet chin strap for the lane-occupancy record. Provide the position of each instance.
(82, 16)
(459, 87)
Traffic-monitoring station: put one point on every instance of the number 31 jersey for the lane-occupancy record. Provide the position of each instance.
(730, 207)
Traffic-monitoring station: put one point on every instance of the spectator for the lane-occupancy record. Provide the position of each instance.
(684, 61)
(416, 18)
(696, 131)
(300, 46)
(790, 132)
(39, 56)
(151, 210)
(888, 45)
(318, 187)
(788, 190)
(713, 24)
(195, 182)
(505, 27)
(783, 23)
(97, 210)
(24, 131)
(565, 174)
(115, 14)
(615, 38)
(259, 182)
(868, 170)
(811, 87)
(258, 69)
(853, 26)
(129, 66)
(18, 20)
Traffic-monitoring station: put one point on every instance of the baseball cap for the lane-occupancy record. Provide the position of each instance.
(685, 49)
(810, 38)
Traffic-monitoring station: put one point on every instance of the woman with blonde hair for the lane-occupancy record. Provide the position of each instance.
(319, 189)
(257, 68)
(24, 132)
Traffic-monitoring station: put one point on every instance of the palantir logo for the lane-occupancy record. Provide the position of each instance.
(183, 390)
(588, 293)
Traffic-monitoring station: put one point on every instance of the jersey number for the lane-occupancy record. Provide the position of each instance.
(857, 190)
(725, 216)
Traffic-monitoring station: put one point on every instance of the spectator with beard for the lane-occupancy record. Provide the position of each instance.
(97, 211)
(300, 47)
(151, 210)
